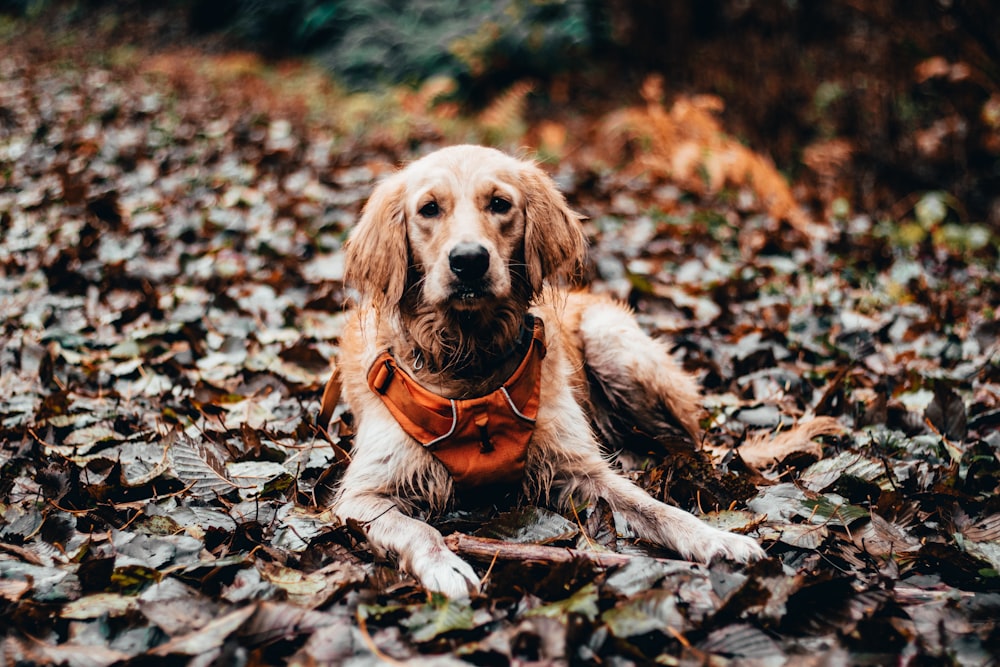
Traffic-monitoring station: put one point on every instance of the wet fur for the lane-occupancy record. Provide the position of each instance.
(599, 362)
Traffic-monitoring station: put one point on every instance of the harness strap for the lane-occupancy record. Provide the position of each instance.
(480, 440)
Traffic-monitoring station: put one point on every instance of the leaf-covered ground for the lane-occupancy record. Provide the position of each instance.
(170, 292)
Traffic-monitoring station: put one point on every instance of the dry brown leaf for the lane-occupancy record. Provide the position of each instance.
(331, 396)
(13, 589)
(882, 538)
(761, 450)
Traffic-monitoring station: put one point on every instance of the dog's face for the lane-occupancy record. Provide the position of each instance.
(465, 224)
(466, 227)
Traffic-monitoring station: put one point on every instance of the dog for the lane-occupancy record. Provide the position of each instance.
(468, 362)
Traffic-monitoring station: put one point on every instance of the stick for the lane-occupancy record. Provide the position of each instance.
(486, 549)
(911, 595)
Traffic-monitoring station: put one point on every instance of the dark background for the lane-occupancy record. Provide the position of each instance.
(791, 74)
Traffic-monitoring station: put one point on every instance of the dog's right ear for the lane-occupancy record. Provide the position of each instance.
(377, 250)
(554, 245)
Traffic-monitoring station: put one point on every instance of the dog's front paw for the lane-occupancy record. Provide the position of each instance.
(720, 544)
(441, 571)
(741, 548)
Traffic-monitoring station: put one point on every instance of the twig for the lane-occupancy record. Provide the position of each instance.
(911, 595)
(489, 571)
(486, 549)
(370, 642)
(583, 531)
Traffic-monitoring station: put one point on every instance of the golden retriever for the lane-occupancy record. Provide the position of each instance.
(457, 263)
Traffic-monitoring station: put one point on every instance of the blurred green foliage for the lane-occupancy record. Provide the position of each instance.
(29, 8)
(895, 97)
(365, 41)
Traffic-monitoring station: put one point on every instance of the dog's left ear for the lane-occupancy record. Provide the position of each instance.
(377, 250)
(554, 245)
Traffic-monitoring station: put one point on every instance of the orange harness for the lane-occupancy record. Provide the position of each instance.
(480, 440)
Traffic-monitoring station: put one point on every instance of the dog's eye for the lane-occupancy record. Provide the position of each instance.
(429, 210)
(499, 205)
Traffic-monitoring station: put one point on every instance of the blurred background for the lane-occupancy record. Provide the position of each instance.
(865, 105)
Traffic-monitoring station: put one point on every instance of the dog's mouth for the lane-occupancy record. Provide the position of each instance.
(465, 296)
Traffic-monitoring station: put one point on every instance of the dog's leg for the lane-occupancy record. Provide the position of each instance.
(641, 381)
(636, 375)
(661, 523)
(420, 547)
(580, 474)
(385, 463)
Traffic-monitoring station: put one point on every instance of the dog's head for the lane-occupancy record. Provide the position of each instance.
(465, 227)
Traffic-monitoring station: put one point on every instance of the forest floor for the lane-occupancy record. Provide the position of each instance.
(171, 227)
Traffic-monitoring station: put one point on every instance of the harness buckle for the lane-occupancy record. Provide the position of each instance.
(384, 377)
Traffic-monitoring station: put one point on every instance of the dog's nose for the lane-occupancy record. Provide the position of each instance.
(469, 261)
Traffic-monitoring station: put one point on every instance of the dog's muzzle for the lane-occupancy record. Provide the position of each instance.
(469, 264)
